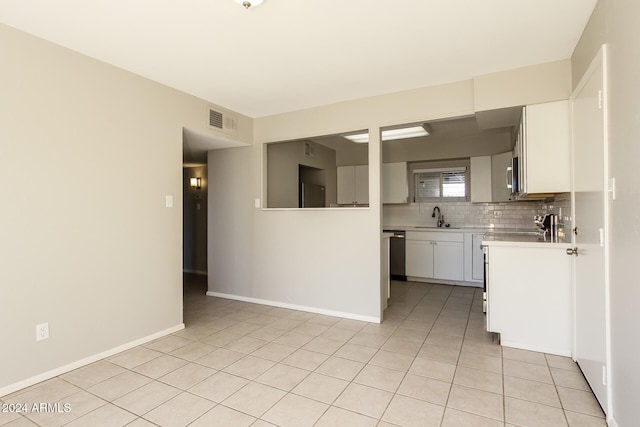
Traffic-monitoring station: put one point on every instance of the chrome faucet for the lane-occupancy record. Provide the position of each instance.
(440, 217)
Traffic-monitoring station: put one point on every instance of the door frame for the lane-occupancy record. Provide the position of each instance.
(598, 61)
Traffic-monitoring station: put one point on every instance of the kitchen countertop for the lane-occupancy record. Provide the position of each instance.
(459, 229)
(522, 239)
(434, 228)
(494, 236)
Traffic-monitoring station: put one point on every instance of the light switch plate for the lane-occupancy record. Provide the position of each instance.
(168, 201)
(257, 203)
(612, 189)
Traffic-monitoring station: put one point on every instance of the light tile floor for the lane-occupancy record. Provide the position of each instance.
(430, 363)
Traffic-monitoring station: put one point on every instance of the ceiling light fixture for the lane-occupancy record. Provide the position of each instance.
(359, 138)
(391, 134)
(247, 4)
(402, 133)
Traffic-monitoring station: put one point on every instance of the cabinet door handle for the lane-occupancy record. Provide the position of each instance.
(506, 177)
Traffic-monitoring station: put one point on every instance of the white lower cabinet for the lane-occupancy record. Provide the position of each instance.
(419, 258)
(529, 296)
(473, 258)
(435, 255)
(448, 260)
(477, 257)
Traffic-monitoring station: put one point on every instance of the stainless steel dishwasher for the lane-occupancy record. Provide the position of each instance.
(397, 255)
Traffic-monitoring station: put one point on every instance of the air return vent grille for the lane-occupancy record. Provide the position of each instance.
(221, 121)
(215, 119)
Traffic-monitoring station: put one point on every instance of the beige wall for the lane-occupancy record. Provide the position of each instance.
(618, 24)
(594, 35)
(440, 148)
(326, 259)
(88, 153)
(523, 86)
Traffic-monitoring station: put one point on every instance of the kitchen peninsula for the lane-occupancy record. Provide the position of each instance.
(528, 291)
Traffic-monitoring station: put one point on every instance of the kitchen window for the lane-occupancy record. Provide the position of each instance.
(440, 184)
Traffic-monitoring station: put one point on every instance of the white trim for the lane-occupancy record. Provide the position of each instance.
(607, 228)
(370, 319)
(86, 361)
(611, 422)
(599, 61)
(467, 283)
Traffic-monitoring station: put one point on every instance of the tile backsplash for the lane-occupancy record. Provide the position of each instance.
(513, 215)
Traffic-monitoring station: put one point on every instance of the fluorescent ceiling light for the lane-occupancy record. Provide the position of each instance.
(391, 134)
(359, 138)
(402, 133)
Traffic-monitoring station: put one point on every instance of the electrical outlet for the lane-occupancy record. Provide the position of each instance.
(42, 331)
(497, 214)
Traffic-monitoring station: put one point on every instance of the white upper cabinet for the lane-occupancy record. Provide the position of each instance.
(395, 187)
(543, 149)
(353, 185)
(480, 168)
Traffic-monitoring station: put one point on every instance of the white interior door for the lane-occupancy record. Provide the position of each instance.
(590, 219)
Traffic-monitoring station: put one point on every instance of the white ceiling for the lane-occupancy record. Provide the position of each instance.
(286, 55)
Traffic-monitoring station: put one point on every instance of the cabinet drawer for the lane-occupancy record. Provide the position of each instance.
(439, 236)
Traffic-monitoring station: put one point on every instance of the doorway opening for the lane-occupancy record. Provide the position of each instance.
(194, 228)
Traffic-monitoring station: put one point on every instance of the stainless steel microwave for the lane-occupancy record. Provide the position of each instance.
(512, 176)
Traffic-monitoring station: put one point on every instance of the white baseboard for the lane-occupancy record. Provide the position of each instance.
(446, 282)
(352, 316)
(611, 422)
(539, 349)
(86, 361)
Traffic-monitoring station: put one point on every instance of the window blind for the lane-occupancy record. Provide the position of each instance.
(454, 184)
(440, 183)
(427, 185)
